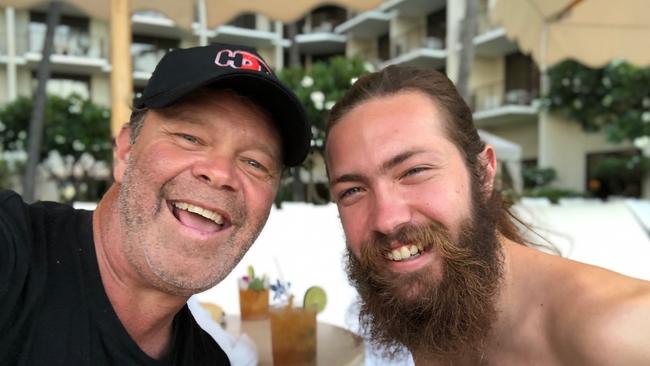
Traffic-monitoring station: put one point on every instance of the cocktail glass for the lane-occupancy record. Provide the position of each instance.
(293, 336)
(254, 304)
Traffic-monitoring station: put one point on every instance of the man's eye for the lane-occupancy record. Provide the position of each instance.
(255, 164)
(189, 138)
(414, 171)
(349, 192)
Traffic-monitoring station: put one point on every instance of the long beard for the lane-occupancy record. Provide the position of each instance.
(433, 316)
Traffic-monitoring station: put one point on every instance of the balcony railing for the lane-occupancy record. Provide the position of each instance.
(414, 39)
(485, 24)
(21, 37)
(145, 60)
(491, 96)
(67, 41)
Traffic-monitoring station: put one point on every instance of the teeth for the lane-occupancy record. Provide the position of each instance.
(210, 215)
(397, 256)
(405, 252)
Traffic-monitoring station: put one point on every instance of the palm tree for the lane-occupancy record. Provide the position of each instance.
(36, 121)
(467, 34)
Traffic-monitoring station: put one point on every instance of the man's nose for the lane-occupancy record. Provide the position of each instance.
(389, 212)
(217, 171)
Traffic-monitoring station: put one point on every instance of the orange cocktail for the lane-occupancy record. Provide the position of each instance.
(293, 336)
(254, 304)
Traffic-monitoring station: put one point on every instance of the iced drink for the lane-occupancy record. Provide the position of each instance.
(253, 304)
(293, 336)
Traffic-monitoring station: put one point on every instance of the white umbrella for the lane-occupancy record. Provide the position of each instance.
(592, 32)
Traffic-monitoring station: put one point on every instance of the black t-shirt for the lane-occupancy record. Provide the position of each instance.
(53, 307)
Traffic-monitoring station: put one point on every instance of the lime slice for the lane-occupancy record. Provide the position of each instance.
(315, 298)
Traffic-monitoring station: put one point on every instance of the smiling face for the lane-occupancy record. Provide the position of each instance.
(389, 168)
(196, 189)
(420, 229)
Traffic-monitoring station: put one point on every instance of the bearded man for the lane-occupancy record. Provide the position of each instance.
(439, 264)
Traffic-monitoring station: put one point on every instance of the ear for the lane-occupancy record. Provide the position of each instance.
(488, 160)
(122, 151)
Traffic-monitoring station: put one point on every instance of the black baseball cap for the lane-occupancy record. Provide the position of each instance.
(242, 69)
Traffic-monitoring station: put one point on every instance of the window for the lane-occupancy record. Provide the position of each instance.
(147, 51)
(244, 21)
(71, 35)
(326, 18)
(522, 79)
(383, 47)
(437, 29)
(617, 173)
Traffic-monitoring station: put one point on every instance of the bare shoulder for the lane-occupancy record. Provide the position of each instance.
(601, 317)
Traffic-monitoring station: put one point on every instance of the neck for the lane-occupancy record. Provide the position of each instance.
(145, 312)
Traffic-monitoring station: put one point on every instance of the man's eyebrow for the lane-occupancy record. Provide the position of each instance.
(181, 115)
(348, 178)
(387, 165)
(399, 158)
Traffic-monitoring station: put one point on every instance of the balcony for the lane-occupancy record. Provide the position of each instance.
(369, 24)
(412, 48)
(412, 8)
(247, 37)
(144, 62)
(149, 23)
(146, 52)
(4, 50)
(73, 50)
(321, 42)
(493, 105)
(316, 32)
(491, 40)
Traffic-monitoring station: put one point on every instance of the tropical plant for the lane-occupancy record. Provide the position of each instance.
(318, 88)
(76, 148)
(614, 99)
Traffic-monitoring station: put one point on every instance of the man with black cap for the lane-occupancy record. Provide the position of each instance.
(196, 170)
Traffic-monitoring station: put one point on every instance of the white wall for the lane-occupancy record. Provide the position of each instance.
(564, 146)
(522, 132)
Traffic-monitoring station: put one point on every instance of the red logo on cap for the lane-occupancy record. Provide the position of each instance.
(241, 60)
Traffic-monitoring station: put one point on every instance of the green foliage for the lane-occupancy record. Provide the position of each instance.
(75, 130)
(622, 168)
(5, 174)
(332, 78)
(614, 99)
(538, 177)
(553, 194)
(72, 126)
(255, 283)
(537, 181)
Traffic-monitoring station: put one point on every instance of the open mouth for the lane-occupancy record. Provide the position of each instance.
(404, 253)
(198, 218)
